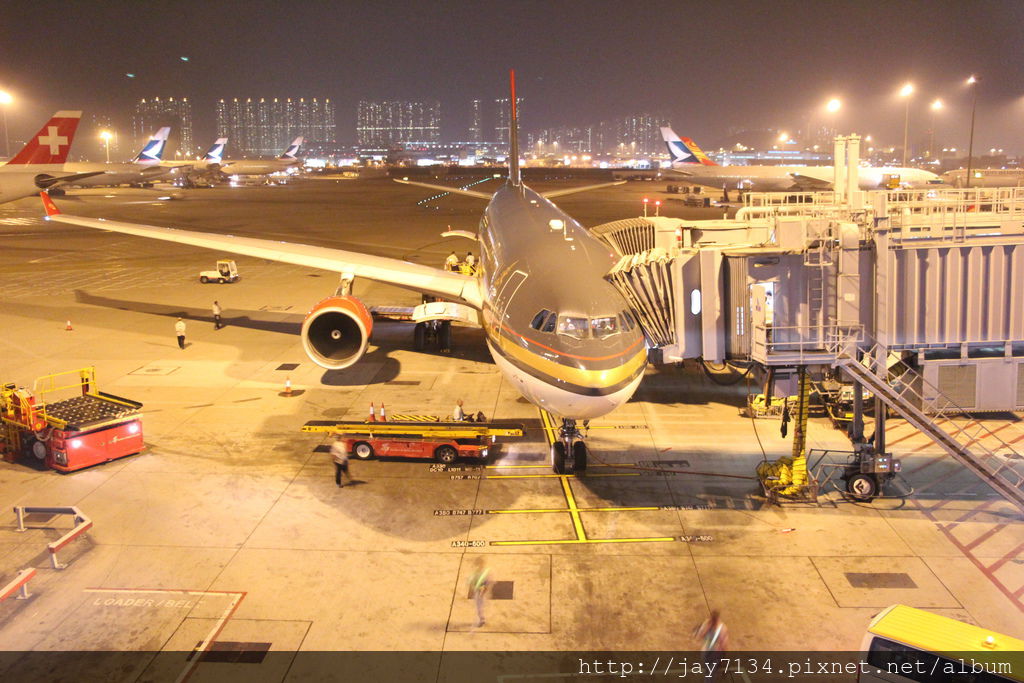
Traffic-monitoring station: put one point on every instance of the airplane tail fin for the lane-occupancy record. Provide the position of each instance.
(216, 152)
(153, 150)
(50, 146)
(684, 150)
(293, 149)
(513, 134)
(698, 152)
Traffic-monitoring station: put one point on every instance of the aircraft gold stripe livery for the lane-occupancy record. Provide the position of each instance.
(561, 334)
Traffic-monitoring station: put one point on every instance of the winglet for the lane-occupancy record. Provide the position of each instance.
(51, 208)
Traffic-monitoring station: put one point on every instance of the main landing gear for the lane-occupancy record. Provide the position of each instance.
(437, 332)
(569, 450)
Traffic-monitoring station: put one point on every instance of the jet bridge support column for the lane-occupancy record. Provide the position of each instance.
(839, 167)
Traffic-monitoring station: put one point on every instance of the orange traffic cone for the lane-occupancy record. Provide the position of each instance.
(383, 415)
(372, 418)
(68, 327)
(288, 386)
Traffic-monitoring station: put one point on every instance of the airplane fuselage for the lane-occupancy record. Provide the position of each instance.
(797, 178)
(589, 358)
(116, 174)
(256, 166)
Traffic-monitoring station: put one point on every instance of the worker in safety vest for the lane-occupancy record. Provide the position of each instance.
(452, 262)
(340, 457)
(479, 581)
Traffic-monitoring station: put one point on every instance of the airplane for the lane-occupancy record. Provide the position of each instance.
(143, 168)
(690, 161)
(241, 167)
(40, 165)
(562, 335)
(200, 170)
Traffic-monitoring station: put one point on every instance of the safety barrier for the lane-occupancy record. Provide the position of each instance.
(18, 585)
(82, 524)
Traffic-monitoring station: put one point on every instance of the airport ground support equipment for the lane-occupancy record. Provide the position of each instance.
(912, 298)
(227, 271)
(87, 428)
(417, 436)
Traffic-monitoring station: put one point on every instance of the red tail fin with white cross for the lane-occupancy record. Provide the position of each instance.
(50, 146)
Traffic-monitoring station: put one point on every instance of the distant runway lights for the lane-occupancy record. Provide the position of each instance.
(657, 208)
(646, 202)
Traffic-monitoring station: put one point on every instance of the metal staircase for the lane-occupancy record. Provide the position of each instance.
(957, 433)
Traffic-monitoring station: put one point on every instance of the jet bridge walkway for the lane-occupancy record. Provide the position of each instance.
(946, 423)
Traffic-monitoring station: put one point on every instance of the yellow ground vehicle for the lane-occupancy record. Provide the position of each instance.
(908, 644)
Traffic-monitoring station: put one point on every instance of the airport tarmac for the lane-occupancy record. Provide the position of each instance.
(229, 529)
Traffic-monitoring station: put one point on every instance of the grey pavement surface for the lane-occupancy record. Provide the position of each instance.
(229, 528)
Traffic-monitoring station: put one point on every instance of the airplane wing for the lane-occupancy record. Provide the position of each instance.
(445, 188)
(482, 195)
(583, 188)
(417, 277)
(804, 180)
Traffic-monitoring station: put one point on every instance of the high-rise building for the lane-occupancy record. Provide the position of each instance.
(502, 116)
(264, 126)
(157, 112)
(476, 130)
(384, 123)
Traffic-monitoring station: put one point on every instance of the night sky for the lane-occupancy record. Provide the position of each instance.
(707, 66)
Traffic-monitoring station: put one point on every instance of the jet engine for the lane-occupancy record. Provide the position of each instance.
(335, 333)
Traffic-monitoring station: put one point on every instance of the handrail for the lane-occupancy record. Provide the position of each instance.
(82, 524)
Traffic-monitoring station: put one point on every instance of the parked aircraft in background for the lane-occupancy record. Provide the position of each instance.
(40, 165)
(688, 160)
(143, 169)
(244, 167)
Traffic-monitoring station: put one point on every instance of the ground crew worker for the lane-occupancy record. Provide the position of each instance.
(452, 262)
(471, 262)
(479, 581)
(458, 414)
(216, 316)
(179, 329)
(714, 639)
(340, 456)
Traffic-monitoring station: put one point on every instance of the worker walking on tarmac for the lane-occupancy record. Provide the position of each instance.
(479, 581)
(340, 456)
(452, 262)
(217, 324)
(714, 639)
(179, 329)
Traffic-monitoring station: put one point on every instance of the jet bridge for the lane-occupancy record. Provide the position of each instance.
(932, 279)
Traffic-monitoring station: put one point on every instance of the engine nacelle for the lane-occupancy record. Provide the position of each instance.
(336, 332)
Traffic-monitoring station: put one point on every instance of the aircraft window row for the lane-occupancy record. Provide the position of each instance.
(579, 327)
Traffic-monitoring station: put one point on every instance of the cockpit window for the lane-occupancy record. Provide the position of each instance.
(572, 327)
(549, 324)
(604, 327)
(538, 320)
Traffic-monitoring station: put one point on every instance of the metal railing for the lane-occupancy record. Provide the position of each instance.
(804, 344)
(950, 426)
(82, 524)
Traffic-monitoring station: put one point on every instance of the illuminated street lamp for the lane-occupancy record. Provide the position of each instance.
(833, 105)
(6, 99)
(973, 82)
(106, 135)
(905, 92)
(937, 105)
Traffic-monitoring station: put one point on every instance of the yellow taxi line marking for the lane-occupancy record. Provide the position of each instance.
(538, 510)
(559, 476)
(581, 534)
(657, 539)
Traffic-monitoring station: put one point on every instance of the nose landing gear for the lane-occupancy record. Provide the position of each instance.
(569, 450)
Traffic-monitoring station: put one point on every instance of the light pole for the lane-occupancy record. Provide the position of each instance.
(905, 92)
(5, 99)
(973, 82)
(106, 135)
(937, 105)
